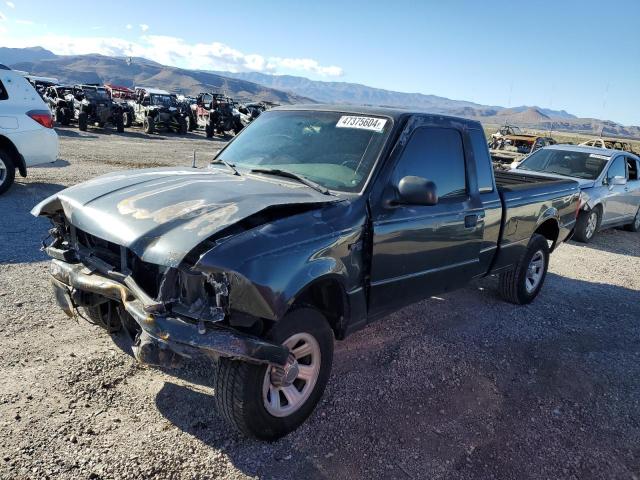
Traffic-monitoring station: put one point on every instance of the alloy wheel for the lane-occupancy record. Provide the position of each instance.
(535, 270)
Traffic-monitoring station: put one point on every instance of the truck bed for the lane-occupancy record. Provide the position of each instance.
(527, 201)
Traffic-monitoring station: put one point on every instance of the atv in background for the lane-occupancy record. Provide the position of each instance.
(93, 106)
(59, 98)
(158, 109)
(186, 106)
(215, 112)
(40, 83)
(123, 96)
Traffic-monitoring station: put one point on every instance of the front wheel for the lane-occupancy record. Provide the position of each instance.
(208, 130)
(523, 282)
(127, 120)
(119, 124)
(83, 121)
(268, 402)
(148, 124)
(587, 225)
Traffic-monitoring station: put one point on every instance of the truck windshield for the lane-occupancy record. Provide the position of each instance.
(162, 100)
(566, 162)
(333, 149)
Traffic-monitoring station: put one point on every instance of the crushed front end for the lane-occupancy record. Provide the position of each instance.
(169, 312)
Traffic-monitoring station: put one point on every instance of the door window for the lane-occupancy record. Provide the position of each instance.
(632, 168)
(617, 168)
(436, 154)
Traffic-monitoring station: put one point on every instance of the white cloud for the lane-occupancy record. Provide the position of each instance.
(3, 17)
(24, 22)
(11, 4)
(144, 27)
(129, 26)
(177, 52)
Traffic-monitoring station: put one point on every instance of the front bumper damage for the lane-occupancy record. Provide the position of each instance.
(163, 335)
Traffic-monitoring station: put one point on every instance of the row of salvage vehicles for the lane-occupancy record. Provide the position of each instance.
(152, 109)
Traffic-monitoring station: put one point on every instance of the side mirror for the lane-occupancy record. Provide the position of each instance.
(618, 180)
(417, 191)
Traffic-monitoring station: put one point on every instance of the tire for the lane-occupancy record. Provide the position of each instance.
(83, 121)
(587, 225)
(59, 116)
(243, 390)
(208, 130)
(7, 171)
(191, 125)
(182, 126)
(126, 119)
(237, 128)
(105, 315)
(635, 225)
(148, 124)
(119, 124)
(66, 117)
(521, 285)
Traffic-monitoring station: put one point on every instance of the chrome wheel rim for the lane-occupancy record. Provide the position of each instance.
(3, 171)
(535, 271)
(283, 400)
(592, 223)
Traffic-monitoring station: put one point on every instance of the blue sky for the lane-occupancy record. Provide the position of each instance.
(581, 56)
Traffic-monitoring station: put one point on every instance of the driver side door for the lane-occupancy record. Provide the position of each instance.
(422, 250)
(615, 203)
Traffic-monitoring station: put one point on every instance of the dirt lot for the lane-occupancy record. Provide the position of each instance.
(459, 386)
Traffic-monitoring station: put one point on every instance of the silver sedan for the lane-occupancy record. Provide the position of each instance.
(609, 181)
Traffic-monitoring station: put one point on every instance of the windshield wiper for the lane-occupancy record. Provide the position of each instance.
(295, 176)
(231, 166)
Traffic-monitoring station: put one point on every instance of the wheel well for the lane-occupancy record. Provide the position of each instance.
(8, 146)
(549, 229)
(329, 298)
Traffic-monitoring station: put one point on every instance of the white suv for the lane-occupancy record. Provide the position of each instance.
(27, 136)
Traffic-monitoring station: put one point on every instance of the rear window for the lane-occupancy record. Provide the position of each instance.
(566, 162)
(3, 92)
(484, 167)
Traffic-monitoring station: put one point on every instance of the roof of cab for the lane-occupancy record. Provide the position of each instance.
(607, 152)
(394, 113)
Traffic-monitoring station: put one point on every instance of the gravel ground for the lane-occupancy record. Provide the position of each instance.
(458, 386)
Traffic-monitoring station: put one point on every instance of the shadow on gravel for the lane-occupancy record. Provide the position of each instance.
(77, 134)
(20, 232)
(57, 164)
(616, 240)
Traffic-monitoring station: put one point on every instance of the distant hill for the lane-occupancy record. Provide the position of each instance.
(9, 56)
(288, 89)
(102, 69)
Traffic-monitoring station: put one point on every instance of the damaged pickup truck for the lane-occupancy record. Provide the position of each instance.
(311, 223)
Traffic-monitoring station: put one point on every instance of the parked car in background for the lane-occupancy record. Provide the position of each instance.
(122, 96)
(314, 222)
(27, 136)
(608, 179)
(60, 101)
(157, 109)
(215, 113)
(93, 106)
(611, 144)
(508, 150)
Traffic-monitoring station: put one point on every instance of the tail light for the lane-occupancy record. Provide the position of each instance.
(43, 117)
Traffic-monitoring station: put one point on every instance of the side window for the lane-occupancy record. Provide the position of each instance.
(3, 92)
(632, 168)
(617, 168)
(436, 154)
(484, 167)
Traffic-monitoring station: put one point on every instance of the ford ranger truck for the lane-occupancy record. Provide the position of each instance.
(311, 223)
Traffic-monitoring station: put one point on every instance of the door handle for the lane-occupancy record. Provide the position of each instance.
(470, 221)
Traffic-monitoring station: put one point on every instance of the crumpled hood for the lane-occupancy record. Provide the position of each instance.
(162, 214)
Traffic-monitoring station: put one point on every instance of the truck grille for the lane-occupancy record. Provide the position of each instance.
(146, 275)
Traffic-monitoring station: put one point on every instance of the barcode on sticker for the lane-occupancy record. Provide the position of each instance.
(364, 123)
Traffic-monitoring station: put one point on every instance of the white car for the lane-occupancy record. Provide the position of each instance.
(27, 136)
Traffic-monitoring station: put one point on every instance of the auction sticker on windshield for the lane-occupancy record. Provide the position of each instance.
(363, 123)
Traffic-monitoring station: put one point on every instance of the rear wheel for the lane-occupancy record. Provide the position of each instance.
(119, 124)
(66, 117)
(83, 121)
(182, 126)
(635, 225)
(126, 119)
(521, 284)
(7, 171)
(59, 114)
(268, 402)
(208, 130)
(587, 225)
(148, 124)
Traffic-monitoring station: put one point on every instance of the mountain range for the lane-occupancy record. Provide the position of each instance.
(288, 89)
